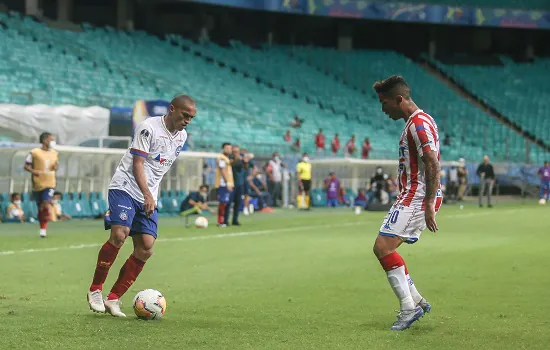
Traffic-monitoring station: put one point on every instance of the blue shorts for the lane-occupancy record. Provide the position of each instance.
(246, 188)
(126, 211)
(45, 195)
(224, 195)
(545, 185)
(332, 202)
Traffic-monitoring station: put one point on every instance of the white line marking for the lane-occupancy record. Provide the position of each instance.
(179, 239)
(235, 234)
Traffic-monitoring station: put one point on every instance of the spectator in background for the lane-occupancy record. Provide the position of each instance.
(544, 175)
(342, 199)
(195, 202)
(332, 187)
(189, 143)
(57, 209)
(486, 175)
(350, 148)
(335, 145)
(452, 183)
(320, 143)
(361, 199)
(274, 173)
(258, 189)
(287, 137)
(366, 148)
(462, 173)
(296, 122)
(296, 146)
(14, 213)
(392, 188)
(447, 140)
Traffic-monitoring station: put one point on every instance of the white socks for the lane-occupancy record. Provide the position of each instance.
(414, 292)
(400, 285)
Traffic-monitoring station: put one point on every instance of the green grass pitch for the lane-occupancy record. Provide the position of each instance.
(290, 280)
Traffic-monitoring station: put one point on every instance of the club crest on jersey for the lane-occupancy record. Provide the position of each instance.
(178, 150)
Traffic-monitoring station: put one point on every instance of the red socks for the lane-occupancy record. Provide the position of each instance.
(128, 274)
(106, 258)
(44, 217)
(221, 213)
(392, 261)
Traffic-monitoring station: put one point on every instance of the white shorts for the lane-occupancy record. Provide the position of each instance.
(404, 222)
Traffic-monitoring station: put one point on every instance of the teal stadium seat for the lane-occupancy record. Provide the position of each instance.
(103, 66)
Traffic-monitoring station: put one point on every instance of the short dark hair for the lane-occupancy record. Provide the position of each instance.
(225, 144)
(44, 136)
(57, 193)
(14, 194)
(394, 85)
(204, 185)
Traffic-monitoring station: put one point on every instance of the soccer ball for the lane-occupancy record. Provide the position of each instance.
(201, 222)
(542, 201)
(149, 304)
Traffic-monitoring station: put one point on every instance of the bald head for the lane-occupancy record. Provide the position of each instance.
(182, 111)
(183, 100)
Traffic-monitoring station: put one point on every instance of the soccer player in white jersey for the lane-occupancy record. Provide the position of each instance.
(133, 197)
(419, 199)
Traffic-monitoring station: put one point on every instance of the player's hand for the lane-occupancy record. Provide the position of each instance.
(35, 172)
(149, 205)
(430, 218)
(230, 188)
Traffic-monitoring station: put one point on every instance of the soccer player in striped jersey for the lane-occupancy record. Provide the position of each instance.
(133, 193)
(419, 199)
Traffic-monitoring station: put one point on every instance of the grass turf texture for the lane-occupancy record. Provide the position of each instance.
(291, 280)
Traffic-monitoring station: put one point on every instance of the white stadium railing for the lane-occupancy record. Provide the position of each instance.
(87, 169)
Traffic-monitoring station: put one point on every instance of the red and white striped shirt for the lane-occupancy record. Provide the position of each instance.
(419, 136)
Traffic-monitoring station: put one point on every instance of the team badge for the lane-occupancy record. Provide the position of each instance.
(123, 216)
(178, 150)
(144, 133)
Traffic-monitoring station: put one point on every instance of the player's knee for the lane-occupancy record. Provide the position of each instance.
(118, 236)
(142, 253)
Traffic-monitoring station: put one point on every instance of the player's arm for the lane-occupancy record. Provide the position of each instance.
(425, 143)
(140, 151)
(225, 174)
(28, 165)
(138, 168)
(432, 173)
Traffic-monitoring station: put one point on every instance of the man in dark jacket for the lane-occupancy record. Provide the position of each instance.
(486, 175)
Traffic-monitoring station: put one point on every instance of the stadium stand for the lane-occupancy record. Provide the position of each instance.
(249, 94)
(511, 4)
(520, 95)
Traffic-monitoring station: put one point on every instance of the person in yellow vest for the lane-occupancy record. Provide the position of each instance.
(224, 184)
(303, 169)
(42, 164)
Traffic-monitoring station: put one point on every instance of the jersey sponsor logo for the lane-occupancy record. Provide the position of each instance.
(178, 150)
(123, 206)
(164, 161)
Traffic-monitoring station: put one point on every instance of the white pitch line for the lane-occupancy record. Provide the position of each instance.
(234, 234)
(179, 239)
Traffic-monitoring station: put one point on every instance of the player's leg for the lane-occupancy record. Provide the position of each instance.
(237, 199)
(547, 186)
(229, 200)
(385, 247)
(144, 234)
(223, 199)
(481, 191)
(119, 220)
(44, 203)
(490, 193)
